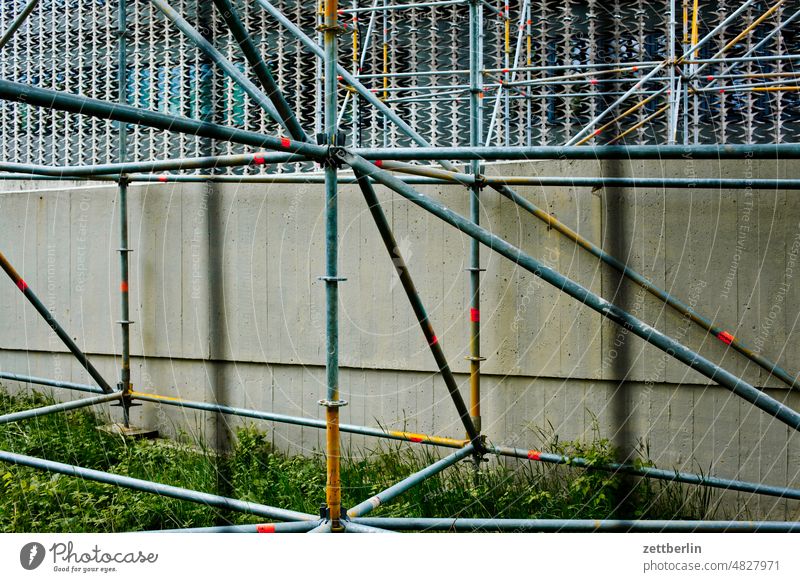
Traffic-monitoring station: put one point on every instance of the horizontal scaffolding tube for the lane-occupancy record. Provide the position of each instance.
(575, 525)
(648, 333)
(258, 158)
(283, 527)
(401, 487)
(351, 527)
(60, 407)
(79, 104)
(297, 420)
(466, 179)
(651, 472)
(157, 488)
(49, 382)
(592, 181)
(389, 7)
(639, 152)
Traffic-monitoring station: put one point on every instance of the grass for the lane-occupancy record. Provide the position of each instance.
(38, 501)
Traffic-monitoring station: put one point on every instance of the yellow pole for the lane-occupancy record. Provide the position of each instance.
(750, 28)
(640, 124)
(621, 116)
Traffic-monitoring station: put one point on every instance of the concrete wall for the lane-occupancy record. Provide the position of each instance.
(227, 307)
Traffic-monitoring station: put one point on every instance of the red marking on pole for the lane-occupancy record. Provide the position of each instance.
(434, 341)
(123, 286)
(597, 131)
(474, 314)
(339, 78)
(593, 81)
(258, 159)
(722, 90)
(379, 163)
(480, 95)
(162, 178)
(710, 78)
(635, 69)
(529, 22)
(725, 337)
(22, 285)
(265, 528)
(505, 70)
(416, 439)
(534, 455)
(286, 142)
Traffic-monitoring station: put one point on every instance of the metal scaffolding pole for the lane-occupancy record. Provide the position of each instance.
(281, 527)
(301, 421)
(49, 382)
(648, 472)
(373, 502)
(473, 433)
(206, 162)
(61, 101)
(474, 269)
(332, 400)
(17, 23)
(60, 407)
(615, 152)
(124, 249)
(452, 524)
(208, 499)
(53, 323)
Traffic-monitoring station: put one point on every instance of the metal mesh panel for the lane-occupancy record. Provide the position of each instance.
(70, 45)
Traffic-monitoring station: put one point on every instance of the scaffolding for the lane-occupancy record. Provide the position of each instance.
(630, 102)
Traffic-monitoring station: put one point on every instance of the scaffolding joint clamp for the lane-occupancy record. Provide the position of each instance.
(475, 269)
(336, 28)
(333, 403)
(475, 358)
(337, 155)
(328, 279)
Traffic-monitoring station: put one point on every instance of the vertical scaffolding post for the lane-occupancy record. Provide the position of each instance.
(124, 322)
(506, 59)
(475, 137)
(673, 94)
(332, 403)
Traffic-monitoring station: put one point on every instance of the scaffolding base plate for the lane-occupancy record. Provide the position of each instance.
(134, 432)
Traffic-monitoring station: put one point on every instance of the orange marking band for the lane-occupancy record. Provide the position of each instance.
(22, 285)
(265, 528)
(123, 286)
(285, 142)
(534, 455)
(725, 337)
